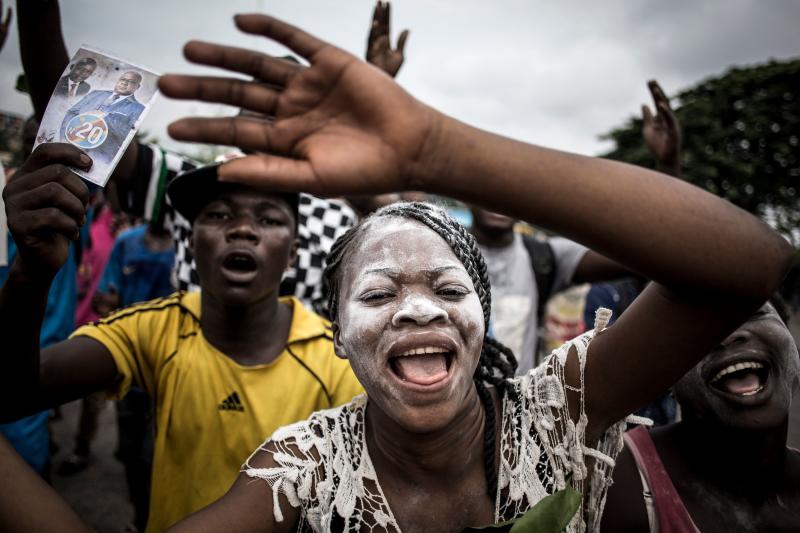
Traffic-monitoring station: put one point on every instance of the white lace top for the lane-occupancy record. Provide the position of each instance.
(324, 467)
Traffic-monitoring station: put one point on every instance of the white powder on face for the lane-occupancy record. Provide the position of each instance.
(421, 308)
(400, 246)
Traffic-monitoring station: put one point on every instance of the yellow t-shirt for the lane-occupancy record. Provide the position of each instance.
(211, 412)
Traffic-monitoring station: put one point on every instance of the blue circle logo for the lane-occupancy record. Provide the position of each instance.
(87, 130)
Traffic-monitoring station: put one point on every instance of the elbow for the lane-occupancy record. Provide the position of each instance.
(776, 261)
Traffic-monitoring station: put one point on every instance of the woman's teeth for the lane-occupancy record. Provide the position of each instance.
(423, 350)
(742, 379)
(736, 368)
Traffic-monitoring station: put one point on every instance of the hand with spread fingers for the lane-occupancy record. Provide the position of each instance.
(46, 207)
(662, 132)
(339, 126)
(6, 23)
(379, 46)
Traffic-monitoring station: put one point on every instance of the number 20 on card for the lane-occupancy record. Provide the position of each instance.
(87, 130)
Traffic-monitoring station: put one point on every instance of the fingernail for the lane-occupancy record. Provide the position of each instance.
(85, 159)
(83, 220)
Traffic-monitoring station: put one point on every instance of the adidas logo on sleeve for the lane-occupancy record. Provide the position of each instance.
(231, 403)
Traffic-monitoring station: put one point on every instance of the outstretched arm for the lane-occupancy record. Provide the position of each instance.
(27, 503)
(46, 205)
(662, 135)
(342, 128)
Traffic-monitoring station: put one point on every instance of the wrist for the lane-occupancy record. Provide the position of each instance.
(431, 158)
(671, 166)
(25, 275)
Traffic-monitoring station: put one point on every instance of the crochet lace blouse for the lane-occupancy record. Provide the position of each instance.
(324, 467)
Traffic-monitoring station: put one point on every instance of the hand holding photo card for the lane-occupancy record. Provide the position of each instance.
(98, 105)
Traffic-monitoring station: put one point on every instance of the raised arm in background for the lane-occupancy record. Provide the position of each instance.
(4, 25)
(379, 46)
(380, 54)
(342, 128)
(662, 132)
(43, 60)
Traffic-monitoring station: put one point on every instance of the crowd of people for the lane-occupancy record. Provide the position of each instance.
(300, 337)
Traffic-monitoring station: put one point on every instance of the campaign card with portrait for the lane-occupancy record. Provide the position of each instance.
(98, 105)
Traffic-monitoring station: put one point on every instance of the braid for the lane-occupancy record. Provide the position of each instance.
(489, 439)
(330, 281)
(497, 362)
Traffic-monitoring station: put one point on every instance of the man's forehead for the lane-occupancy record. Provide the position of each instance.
(248, 196)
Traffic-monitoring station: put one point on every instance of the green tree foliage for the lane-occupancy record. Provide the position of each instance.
(741, 139)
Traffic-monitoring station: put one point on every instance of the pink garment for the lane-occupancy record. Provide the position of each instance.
(93, 262)
(670, 511)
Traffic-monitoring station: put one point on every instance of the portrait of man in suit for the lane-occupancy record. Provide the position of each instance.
(119, 108)
(74, 85)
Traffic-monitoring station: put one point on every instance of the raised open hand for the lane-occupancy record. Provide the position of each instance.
(4, 25)
(339, 127)
(379, 46)
(662, 132)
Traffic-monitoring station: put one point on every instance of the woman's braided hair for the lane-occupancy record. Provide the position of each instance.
(497, 362)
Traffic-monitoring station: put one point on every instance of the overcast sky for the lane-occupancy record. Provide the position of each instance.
(557, 73)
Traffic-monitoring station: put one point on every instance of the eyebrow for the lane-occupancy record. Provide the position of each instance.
(441, 269)
(391, 272)
(395, 272)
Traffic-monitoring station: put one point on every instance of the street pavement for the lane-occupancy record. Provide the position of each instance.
(98, 494)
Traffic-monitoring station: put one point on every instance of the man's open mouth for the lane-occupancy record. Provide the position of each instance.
(240, 262)
(744, 378)
(424, 366)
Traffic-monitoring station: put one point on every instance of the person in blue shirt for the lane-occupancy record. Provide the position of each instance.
(30, 436)
(139, 269)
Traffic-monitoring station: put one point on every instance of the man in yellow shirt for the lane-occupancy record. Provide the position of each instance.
(225, 367)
